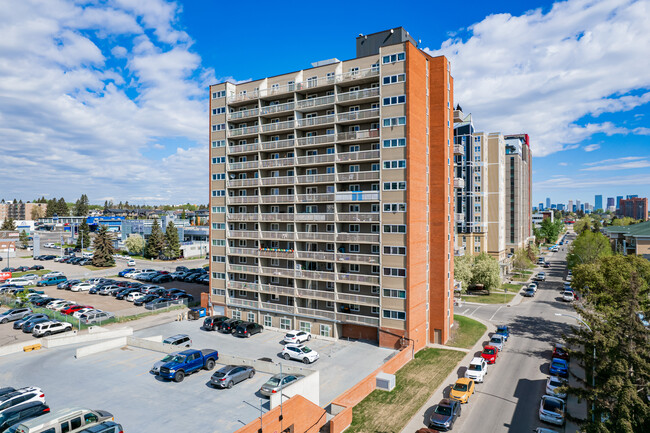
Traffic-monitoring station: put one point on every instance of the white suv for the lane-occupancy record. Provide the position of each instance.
(477, 369)
(300, 352)
(295, 337)
(46, 329)
(20, 396)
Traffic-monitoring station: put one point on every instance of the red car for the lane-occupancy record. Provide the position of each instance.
(73, 308)
(490, 354)
(559, 351)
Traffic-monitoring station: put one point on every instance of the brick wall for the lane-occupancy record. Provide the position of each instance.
(297, 412)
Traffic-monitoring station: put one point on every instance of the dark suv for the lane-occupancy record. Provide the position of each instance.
(212, 323)
(246, 329)
(22, 412)
(445, 414)
(228, 326)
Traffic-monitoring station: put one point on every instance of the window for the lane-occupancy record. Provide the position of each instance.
(219, 127)
(354, 228)
(219, 143)
(219, 259)
(391, 314)
(285, 323)
(394, 186)
(219, 94)
(219, 110)
(394, 100)
(355, 308)
(354, 267)
(305, 326)
(219, 160)
(268, 321)
(395, 121)
(218, 193)
(393, 293)
(394, 251)
(218, 242)
(395, 142)
(392, 58)
(395, 163)
(392, 79)
(394, 207)
(219, 275)
(354, 288)
(236, 315)
(251, 317)
(219, 176)
(394, 228)
(395, 272)
(218, 226)
(325, 330)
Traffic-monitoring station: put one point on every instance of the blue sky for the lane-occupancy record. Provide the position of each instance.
(109, 98)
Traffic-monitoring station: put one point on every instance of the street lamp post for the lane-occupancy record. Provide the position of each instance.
(593, 365)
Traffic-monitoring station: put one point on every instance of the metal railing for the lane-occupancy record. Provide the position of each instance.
(358, 258)
(311, 236)
(277, 144)
(358, 115)
(358, 299)
(246, 130)
(286, 254)
(316, 275)
(277, 290)
(277, 162)
(459, 182)
(357, 135)
(358, 94)
(311, 198)
(357, 176)
(316, 178)
(248, 234)
(312, 312)
(357, 217)
(316, 294)
(314, 121)
(357, 237)
(279, 180)
(246, 165)
(243, 268)
(276, 217)
(459, 149)
(278, 307)
(277, 198)
(316, 159)
(353, 318)
(243, 285)
(315, 102)
(358, 156)
(277, 235)
(242, 303)
(314, 217)
(243, 199)
(277, 108)
(238, 183)
(241, 148)
(243, 251)
(277, 126)
(358, 278)
(357, 196)
(315, 255)
(243, 113)
(319, 139)
(242, 217)
(280, 272)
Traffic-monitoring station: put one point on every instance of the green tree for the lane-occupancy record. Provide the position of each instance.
(588, 247)
(582, 224)
(463, 269)
(521, 261)
(597, 226)
(51, 208)
(485, 271)
(183, 215)
(8, 224)
(24, 239)
(172, 247)
(134, 244)
(155, 242)
(83, 235)
(37, 212)
(81, 206)
(625, 221)
(104, 250)
(62, 208)
(550, 230)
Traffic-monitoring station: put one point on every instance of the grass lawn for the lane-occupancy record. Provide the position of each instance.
(39, 272)
(511, 287)
(388, 412)
(97, 268)
(492, 298)
(465, 332)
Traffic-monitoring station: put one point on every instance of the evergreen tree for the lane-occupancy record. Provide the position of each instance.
(83, 235)
(155, 242)
(51, 208)
(183, 215)
(62, 208)
(8, 224)
(104, 250)
(105, 207)
(172, 248)
(81, 206)
(24, 239)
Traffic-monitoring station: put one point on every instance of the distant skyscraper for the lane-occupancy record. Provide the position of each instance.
(618, 201)
(541, 206)
(598, 202)
(570, 206)
(632, 196)
(548, 203)
(578, 202)
(610, 201)
(554, 206)
(560, 206)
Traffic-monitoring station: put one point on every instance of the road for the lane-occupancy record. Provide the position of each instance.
(508, 400)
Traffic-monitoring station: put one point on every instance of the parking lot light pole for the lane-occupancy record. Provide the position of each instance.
(593, 365)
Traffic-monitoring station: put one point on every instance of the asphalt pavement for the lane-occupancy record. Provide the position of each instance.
(508, 400)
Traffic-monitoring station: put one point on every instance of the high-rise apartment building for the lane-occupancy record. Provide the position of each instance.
(598, 202)
(548, 202)
(634, 207)
(518, 191)
(332, 196)
(21, 211)
(618, 201)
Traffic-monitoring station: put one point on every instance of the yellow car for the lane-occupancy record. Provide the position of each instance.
(462, 389)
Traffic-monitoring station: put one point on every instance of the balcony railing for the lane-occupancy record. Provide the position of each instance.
(359, 278)
(278, 307)
(277, 199)
(248, 234)
(357, 299)
(246, 165)
(316, 294)
(277, 144)
(312, 312)
(319, 139)
(356, 75)
(280, 180)
(243, 251)
(357, 156)
(357, 196)
(277, 235)
(243, 268)
(315, 217)
(459, 182)
(356, 237)
(459, 217)
(358, 258)
(316, 275)
(357, 217)
(242, 285)
(277, 108)
(242, 217)
(311, 236)
(353, 318)
(276, 253)
(311, 198)
(357, 176)
(277, 126)
(459, 149)
(315, 121)
(277, 290)
(316, 178)
(239, 183)
(280, 272)
(244, 199)
(358, 135)
(242, 303)
(253, 147)
(246, 130)
(315, 255)
(243, 114)
(276, 217)
(315, 102)
(316, 159)
(357, 94)
(358, 115)
(278, 162)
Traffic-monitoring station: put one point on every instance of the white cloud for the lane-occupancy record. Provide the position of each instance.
(592, 147)
(620, 166)
(541, 72)
(563, 164)
(591, 182)
(616, 160)
(65, 114)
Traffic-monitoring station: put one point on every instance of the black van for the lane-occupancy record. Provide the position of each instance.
(212, 323)
(246, 329)
(22, 412)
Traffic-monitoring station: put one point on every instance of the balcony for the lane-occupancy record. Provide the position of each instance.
(243, 148)
(246, 130)
(315, 198)
(277, 235)
(242, 217)
(357, 176)
(459, 217)
(244, 199)
(242, 114)
(246, 234)
(460, 251)
(358, 299)
(240, 183)
(277, 108)
(312, 236)
(311, 312)
(280, 180)
(459, 149)
(312, 83)
(315, 102)
(243, 251)
(269, 199)
(317, 178)
(316, 159)
(358, 135)
(357, 196)
(315, 255)
(275, 252)
(277, 290)
(278, 307)
(358, 75)
(357, 156)
(459, 182)
(278, 272)
(316, 140)
(277, 144)
(357, 237)
(358, 258)
(357, 217)
(276, 217)
(242, 285)
(352, 116)
(277, 162)
(315, 121)
(278, 126)
(358, 278)
(316, 294)
(353, 318)
(358, 94)
(235, 302)
(316, 275)
(314, 217)
(243, 268)
(246, 165)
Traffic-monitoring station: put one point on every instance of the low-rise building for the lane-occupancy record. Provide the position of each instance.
(632, 239)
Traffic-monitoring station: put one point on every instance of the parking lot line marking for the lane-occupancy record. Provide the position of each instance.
(495, 313)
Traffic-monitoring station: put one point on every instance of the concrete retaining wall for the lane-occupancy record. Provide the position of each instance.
(66, 339)
(308, 387)
(100, 347)
(14, 348)
(146, 343)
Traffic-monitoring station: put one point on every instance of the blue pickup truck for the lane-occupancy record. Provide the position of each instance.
(187, 362)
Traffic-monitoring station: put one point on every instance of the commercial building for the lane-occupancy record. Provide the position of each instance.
(21, 211)
(519, 228)
(611, 202)
(598, 202)
(331, 198)
(635, 207)
(618, 201)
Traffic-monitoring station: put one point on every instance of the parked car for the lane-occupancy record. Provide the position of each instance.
(63, 420)
(181, 269)
(293, 337)
(185, 297)
(134, 296)
(145, 300)
(46, 329)
(28, 327)
(77, 314)
(497, 341)
(477, 369)
(230, 375)
(547, 264)
(187, 362)
(504, 331)
(22, 412)
(159, 303)
(122, 294)
(14, 314)
(212, 323)
(43, 301)
(178, 340)
(130, 262)
(541, 276)
(105, 427)
(559, 351)
(167, 358)
(23, 395)
(277, 382)
(553, 383)
(18, 324)
(163, 278)
(559, 367)
(123, 272)
(36, 268)
(299, 352)
(528, 292)
(551, 410)
(82, 287)
(445, 414)
(73, 309)
(568, 296)
(92, 317)
(67, 284)
(228, 326)
(490, 354)
(462, 390)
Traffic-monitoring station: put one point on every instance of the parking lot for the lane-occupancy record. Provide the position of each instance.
(103, 381)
